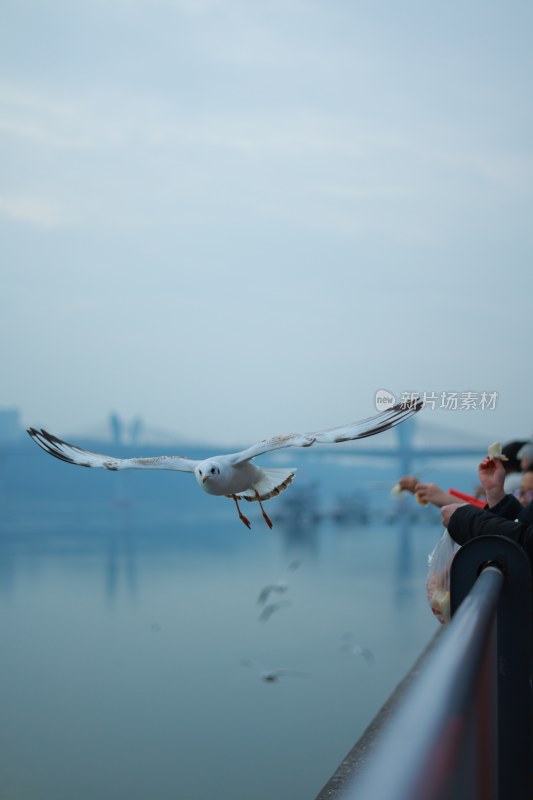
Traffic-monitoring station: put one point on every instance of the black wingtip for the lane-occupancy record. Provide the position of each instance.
(413, 404)
(47, 442)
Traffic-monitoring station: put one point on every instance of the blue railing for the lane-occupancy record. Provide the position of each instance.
(464, 728)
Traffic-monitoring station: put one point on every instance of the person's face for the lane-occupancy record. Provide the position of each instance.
(525, 493)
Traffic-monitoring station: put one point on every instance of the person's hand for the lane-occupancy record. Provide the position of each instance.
(491, 476)
(407, 483)
(447, 511)
(431, 493)
(491, 473)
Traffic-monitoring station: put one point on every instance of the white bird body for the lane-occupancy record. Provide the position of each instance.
(233, 474)
(220, 477)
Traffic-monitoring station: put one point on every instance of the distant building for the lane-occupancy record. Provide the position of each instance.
(10, 429)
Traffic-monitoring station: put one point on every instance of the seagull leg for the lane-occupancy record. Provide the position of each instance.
(265, 515)
(241, 515)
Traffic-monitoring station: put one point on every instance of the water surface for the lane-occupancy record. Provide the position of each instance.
(124, 627)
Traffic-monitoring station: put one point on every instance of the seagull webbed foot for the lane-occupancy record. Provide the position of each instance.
(245, 520)
(241, 515)
(265, 515)
(267, 520)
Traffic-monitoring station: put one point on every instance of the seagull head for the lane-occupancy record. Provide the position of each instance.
(207, 474)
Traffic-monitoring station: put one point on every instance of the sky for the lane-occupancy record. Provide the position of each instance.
(237, 218)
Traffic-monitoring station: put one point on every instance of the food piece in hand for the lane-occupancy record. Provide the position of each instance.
(420, 499)
(406, 484)
(495, 451)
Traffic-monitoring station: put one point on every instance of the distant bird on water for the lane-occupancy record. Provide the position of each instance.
(273, 675)
(234, 475)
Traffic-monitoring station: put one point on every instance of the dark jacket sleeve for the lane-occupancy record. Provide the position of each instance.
(509, 508)
(467, 522)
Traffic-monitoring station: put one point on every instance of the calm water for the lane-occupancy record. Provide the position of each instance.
(124, 629)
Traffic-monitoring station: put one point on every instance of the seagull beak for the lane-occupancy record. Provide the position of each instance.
(205, 478)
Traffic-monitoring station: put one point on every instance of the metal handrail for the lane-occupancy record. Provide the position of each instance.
(455, 733)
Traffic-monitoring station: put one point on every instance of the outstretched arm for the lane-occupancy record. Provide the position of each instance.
(425, 492)
(466, 522)
(431, 493)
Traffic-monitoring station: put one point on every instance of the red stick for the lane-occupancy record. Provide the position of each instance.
(468, 498)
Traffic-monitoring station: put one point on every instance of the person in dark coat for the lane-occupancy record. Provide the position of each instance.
(504, 514)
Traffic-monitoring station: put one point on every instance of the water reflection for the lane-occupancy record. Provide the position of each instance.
(125, 630)
(403, 584)
(121, 567)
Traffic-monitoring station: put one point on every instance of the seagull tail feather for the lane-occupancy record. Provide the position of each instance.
(271, 482)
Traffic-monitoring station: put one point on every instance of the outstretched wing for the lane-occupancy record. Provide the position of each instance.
(356, 430)
(267, 590)
(84, 458)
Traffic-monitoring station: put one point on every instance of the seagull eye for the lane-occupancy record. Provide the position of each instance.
(200, 471)
(213, 470)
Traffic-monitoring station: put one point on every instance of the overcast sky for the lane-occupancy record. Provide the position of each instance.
(243, 218)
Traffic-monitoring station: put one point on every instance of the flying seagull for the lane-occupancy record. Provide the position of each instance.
(271, 608)
(266, 591)
(278, 586)
(234, 475)
(350, 646)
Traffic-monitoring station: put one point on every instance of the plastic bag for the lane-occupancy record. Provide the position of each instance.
(438, 579)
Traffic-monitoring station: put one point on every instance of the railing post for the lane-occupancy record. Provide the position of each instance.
(512, 646)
